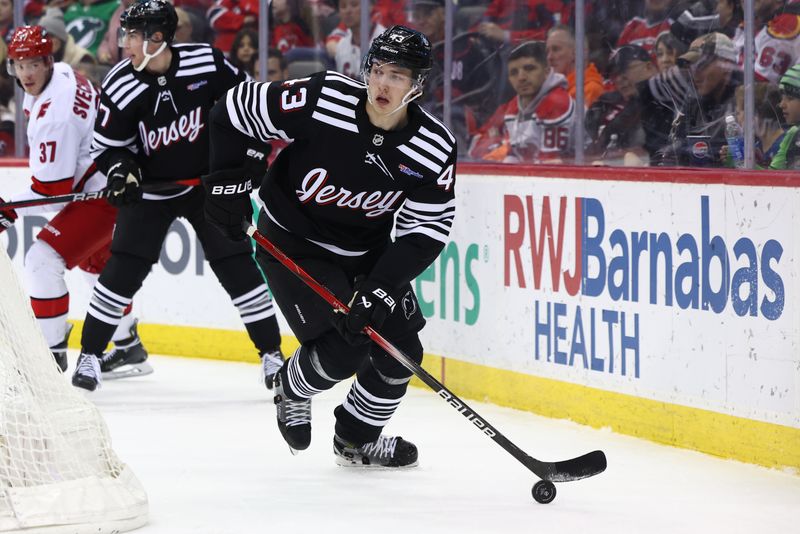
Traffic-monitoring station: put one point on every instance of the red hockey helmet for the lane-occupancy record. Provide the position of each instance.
(29, 42)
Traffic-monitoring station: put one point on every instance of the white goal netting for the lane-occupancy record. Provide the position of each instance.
(58, 473)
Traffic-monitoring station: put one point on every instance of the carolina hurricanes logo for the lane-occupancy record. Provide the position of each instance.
(43, 109)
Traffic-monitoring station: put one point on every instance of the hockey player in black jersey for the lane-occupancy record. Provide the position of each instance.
(152, 126)
(360, 155)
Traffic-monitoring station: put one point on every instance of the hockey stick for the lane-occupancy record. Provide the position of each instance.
(584, 466)
(93, 195)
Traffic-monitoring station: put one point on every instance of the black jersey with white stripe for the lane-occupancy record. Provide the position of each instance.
(342, 181)
(162, 120)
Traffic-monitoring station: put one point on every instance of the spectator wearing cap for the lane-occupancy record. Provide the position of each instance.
(788, 156)
(614, 121)
(538, 123)
(561, 58)
(64, 47)
(698, 134)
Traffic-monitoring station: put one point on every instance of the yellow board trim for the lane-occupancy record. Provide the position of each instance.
(727, 436)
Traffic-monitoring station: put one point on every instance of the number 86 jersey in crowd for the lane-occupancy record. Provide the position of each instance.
(341, 180)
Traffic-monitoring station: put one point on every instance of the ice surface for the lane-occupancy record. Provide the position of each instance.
(201, 437)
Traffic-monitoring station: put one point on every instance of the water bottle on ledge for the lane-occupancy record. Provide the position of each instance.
(735, 138)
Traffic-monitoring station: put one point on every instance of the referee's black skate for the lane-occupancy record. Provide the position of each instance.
(386, 451)
(294, 418)
(127, 358)
(271, 363)
(87, 372)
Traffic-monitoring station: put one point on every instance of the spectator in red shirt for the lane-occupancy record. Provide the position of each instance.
(516, 21)
(227, 17)
(537, 124)
(643, 31)
(288, 30)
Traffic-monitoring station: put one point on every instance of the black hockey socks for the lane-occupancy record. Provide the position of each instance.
(106, 309)
(303, 375)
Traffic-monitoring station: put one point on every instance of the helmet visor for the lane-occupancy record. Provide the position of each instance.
(389, 73)
(126, 35)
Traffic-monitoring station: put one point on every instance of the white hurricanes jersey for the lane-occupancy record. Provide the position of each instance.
(348, 53)
(60, 129)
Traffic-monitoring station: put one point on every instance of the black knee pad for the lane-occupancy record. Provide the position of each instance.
(388, 366)
(238, 274)
(124, 273)
(338, 358)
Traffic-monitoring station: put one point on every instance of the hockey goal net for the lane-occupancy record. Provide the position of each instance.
(58, 473)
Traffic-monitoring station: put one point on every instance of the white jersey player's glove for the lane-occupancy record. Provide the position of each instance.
(125, 183)
(7, 218)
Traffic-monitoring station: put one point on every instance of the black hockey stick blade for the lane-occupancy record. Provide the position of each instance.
(585, 466)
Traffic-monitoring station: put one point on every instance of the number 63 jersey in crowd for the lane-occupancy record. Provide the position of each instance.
(60, 123)
(163, 119)
(341, 181)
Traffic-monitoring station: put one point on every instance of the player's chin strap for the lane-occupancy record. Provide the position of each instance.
(414, 93)
(148, 57)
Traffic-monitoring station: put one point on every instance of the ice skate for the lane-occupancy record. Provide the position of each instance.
(127, 358)
(294, 418)
(60, 351)
(87, 373)
(271, 363)
(386, 451)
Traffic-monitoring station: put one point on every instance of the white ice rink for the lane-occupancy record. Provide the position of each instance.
(202, 439)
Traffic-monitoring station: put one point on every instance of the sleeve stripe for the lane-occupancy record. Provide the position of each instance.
(197, 70)
(445, 226)
(419, 158)
(52, 187)
(139, 90)
(433, 234)
(438, 138)
(205, 50)
(408, 214)
(336, 108)
(344, 125)
(262, 104)
(436, 208)
(206, 58)
(438, 122)
(429, 148)
(249, 107)
(113, 142)
(336, 77)
(350, 99)
(110, 90)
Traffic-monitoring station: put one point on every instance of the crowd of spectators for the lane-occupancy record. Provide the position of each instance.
(660, 76)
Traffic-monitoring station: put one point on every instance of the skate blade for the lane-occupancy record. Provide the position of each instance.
(130, 370)
(294, 452)
(344, 462)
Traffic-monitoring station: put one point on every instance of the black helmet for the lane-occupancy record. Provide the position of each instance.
(151, 16)
(404, 47)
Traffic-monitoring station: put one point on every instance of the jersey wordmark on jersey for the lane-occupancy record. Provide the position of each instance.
(342, 179)
(163, 119)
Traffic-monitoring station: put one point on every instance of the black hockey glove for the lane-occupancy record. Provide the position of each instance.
(228, 193)
(370, 305)
(228, 201)
(7, 218)
(125, 183)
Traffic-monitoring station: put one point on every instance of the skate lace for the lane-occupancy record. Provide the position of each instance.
(383, 447)
(272, 362)
(88, 366)
(297, 412)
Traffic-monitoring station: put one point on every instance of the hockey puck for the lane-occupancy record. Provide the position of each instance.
(544, 492)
